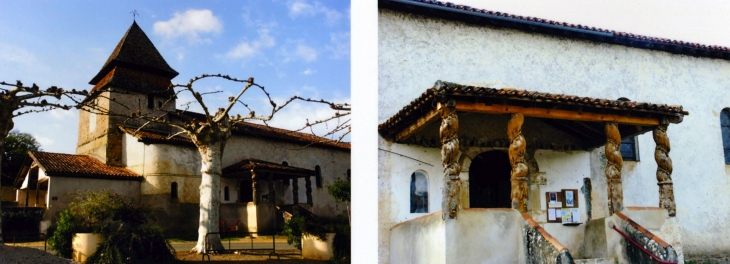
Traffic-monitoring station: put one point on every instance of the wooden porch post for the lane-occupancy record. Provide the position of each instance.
(308, 182)
(664, 168)
(614, 163)
(254, 187)
(517, 160)
(295, 190)
(450, 155)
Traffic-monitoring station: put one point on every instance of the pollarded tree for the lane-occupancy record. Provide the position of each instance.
(210, 133)
(19, 100)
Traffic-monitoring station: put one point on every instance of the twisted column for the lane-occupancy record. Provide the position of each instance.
(614, 163)
(308, 183)
(254, 187)
(664, 169)
(450, 160)
(517, 160)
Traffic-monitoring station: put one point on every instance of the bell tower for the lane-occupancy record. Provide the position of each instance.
(135, 79)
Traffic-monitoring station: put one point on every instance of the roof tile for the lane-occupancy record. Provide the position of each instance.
(81, 166)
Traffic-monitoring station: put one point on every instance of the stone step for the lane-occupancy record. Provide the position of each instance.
(596, 261)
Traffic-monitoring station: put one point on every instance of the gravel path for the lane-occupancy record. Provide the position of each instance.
(10, 254)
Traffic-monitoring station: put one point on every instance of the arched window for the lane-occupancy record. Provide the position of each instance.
(419, 192)
(226, 194)
(725, 126)
(173, 191)
(318, 178)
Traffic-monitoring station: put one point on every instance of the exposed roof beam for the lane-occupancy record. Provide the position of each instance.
(555, 114)
(422, 122)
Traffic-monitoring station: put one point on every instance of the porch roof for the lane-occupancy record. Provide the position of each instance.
(243, 169)
(74, 166)
(557, 121)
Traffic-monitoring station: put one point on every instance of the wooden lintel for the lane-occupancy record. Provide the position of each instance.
(418, 125)
(555, 114)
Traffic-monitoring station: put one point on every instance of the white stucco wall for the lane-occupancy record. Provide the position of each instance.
(162, 164)
(415, 52)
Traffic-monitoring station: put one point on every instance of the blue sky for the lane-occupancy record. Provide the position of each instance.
(292, 47)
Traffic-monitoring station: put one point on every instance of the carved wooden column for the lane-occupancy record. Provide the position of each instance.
(254, 187)
(308, 182)
(295, 190)
(450, 159)
(664, 168)
(614, 163)
(517, 160)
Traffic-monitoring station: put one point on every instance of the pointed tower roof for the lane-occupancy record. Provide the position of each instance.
(135, 52)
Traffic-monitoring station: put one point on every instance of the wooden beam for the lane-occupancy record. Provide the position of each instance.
(555, 114)
(422, 122)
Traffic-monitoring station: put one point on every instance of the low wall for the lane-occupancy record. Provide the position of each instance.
(478, 235)
(648, 240)
(419, 240)
(485, 236)
(542, 247)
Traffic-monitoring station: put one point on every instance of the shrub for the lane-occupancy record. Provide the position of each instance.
(21, 220)
(127, 235)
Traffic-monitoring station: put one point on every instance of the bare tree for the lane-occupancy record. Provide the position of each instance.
(210, 132)
(17, 100)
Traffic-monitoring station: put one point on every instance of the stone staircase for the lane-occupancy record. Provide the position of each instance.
(595, 261)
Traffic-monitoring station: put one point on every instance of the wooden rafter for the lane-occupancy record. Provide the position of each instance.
(422, 122)
(555, 114)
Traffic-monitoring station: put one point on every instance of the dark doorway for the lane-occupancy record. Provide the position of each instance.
(245, 194)
(489, 180)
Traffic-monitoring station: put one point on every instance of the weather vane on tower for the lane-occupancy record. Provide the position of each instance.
(134, 15)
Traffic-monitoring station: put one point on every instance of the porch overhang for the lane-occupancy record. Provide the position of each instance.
(553, 121)
(244, 168)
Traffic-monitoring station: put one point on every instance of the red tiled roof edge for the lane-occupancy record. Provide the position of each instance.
(472, 15)
(61, 165)
(425, 101)
(153, 137)
(248, 164)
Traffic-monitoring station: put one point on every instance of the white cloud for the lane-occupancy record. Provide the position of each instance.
(339, 46)
(189, 24)
(306, 53)
(309, 72)
(45, 142)
(61, 114)
(303, 8)
(247, 49)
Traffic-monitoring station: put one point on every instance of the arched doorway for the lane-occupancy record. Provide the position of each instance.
(489, 180)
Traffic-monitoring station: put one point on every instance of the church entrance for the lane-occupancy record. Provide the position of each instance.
(489, 180)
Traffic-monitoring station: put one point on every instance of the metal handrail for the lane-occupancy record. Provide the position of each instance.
(636, 244)
(205, 245)
(45, 238)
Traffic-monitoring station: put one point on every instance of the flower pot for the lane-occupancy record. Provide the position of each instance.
(84, 244)
(313, 248)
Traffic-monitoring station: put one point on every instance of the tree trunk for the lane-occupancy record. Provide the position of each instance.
(210, 200)
(6, 124)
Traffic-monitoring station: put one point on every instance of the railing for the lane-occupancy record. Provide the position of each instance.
(642, 233)
(636, 244)
(45, 239)
(536, 238)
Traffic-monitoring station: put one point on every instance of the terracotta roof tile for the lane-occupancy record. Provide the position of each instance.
(264, 131)
(426, 101)
(80, 166)
(494, 18)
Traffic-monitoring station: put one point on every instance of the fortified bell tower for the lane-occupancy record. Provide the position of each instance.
(134, 80)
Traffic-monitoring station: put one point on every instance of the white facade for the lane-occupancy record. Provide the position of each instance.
(416, 51)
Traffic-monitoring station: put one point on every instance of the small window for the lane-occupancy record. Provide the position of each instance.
(226, 194)
(318, 177)
(159, 104)
(348, 174)
(630, 149)
(419, 192)
(725, 126)
(150, 101)
(173, 191)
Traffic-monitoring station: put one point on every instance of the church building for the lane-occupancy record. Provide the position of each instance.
(265, 169)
